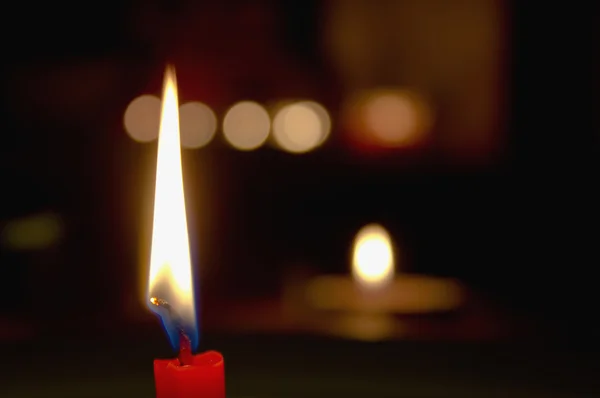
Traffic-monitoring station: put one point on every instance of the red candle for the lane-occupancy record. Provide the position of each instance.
(203, 378)
(170, 283)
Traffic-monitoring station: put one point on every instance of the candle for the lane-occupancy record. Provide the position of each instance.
(374, 288)
(170, 283)
(373, 302)
(203, 378)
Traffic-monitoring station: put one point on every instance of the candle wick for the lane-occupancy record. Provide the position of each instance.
(185, 356)
(185, 349)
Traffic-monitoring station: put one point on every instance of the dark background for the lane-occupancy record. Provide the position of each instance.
(520, 228)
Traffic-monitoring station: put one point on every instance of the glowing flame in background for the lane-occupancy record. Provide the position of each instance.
(388, 118)
(170, 278)
(373, 257)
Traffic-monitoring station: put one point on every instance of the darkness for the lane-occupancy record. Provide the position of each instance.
(517, 223)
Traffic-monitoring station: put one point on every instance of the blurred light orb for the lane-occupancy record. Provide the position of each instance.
(300, 127)
(197, 124)
(35, 232)
(246, 125)
(373, 257)
(366, 327)
(142, 118)
(390, 118)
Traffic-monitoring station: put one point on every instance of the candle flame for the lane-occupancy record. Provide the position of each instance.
(373, 257)
(170, 280)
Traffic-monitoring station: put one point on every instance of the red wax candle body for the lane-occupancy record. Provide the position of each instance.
(204, 378)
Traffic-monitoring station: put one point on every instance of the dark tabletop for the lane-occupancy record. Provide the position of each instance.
(301, 366)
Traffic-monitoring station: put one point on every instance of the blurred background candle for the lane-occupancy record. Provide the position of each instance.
(375, 287)
(375, 302)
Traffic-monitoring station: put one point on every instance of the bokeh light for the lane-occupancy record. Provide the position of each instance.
(35, 232)
(142, 118)
(373, 256)
(246, 125)
(197, 123)
(300, 127)
(389, 118)
(366, 326)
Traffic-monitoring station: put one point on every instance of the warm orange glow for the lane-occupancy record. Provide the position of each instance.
(366, 326)
(373, 257)
(198, 124)
(389, 118)
(301, 127)
(34, 232)
(170, 276)
(407, 294)
(142, 118)
(246, 125)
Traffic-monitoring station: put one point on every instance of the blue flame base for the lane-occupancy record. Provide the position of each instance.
(174, 327)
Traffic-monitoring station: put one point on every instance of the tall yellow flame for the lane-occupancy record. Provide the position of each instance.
(170, 265)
